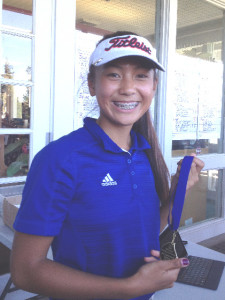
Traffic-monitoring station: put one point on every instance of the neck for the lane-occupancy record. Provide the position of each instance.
(120, 135)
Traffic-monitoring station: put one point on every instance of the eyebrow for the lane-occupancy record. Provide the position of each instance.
(138, 66)
(111, 64)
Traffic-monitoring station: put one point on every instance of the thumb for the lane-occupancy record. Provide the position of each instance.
(184, 262)
(177, 263)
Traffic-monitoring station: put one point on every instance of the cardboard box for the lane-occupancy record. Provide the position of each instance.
(7, 191)
(11, 205)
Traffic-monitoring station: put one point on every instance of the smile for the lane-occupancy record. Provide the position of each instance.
(126, 105)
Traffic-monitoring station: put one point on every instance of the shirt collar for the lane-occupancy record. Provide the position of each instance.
(138, 141)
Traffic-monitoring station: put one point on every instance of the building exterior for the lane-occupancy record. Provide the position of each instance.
(45, 45)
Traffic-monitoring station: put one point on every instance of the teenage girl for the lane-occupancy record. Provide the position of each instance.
(99, 196)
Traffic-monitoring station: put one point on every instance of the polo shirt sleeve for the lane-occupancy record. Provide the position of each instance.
(48, 191)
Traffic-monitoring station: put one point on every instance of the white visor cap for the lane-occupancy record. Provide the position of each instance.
(121, 46)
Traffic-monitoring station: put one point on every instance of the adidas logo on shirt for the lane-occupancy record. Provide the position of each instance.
(108, 181)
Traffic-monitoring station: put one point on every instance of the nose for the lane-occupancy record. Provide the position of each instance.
(127, 86)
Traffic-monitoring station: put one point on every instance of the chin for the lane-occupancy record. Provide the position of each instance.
(128, 123)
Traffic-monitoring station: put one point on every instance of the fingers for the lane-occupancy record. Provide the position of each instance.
(196, 168)
(158, 274)
(155, 256)
(199, 164)
(193, 154)
(149, 259)
(171, 264)
(155, 253)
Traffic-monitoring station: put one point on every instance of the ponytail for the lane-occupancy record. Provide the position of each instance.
(160, 171)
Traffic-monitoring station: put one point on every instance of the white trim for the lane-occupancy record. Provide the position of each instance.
(52, 73)
(16, 82)
(15, 131)
(15, 179)
(203, 231)
(223, 93)
(42, 26)
(16, 31)
(214, 161)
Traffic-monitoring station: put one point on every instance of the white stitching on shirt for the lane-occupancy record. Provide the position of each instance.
(108, 180)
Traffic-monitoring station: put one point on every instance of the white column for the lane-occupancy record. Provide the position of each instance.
(41, 74)
(64, 61)
(166, 22)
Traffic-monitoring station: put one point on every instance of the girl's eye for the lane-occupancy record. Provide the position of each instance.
(113, 75)
(142, 76)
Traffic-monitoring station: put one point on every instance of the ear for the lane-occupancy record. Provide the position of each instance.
(155, 84)
(91, 86)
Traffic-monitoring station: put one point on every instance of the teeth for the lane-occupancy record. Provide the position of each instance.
(126, 106)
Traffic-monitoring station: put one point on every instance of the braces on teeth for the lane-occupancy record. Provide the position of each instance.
(126, 105)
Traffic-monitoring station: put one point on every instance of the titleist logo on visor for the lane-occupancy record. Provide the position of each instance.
(126, 41)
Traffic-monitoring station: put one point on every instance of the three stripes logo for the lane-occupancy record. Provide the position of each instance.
(108, 181)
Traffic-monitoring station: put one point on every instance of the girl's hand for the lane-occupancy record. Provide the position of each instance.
(157, 274)
(196, 167)
(155, 256)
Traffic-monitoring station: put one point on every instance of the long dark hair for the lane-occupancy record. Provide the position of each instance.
(144, 126)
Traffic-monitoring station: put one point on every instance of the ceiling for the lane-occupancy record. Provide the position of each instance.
(132, 15)
(21, 4)
(139, 16)
(113, 15)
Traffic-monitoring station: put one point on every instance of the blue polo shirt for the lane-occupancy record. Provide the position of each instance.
(97, 200)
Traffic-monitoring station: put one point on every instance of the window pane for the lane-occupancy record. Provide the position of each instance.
(203, 201)
(16, 57)
(14, 155)
(17, 14)
(198, 79)
(15, 106)
(87, 105)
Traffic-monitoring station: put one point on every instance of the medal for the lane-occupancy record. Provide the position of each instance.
(168, 250)
(171, 245)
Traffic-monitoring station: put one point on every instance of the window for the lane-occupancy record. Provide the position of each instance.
(204, 201)
(195, 98)
(198, 86)
(26, 79)
(16, 82)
